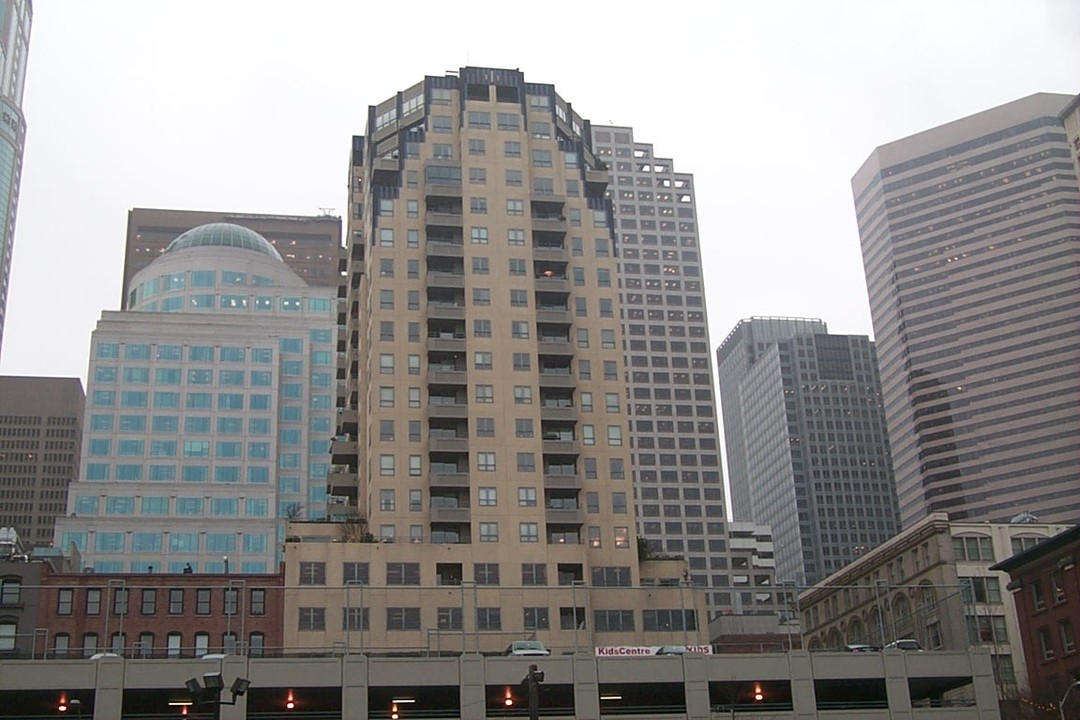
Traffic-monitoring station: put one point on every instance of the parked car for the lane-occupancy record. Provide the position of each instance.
(859, 648)
(527, 647)
(903, 644)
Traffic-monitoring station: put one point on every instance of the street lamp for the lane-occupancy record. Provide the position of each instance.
(1061, 705)
(211, 693)
(532, 681)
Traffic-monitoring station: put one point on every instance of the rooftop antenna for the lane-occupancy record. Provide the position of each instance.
(327, 211)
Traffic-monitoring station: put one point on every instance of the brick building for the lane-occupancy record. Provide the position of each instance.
(159, 615)
(1046, 594)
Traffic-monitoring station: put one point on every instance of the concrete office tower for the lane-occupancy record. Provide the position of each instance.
(807, 447)
(40, 431)
(210, 409)
(673, 428)
(15, 19)
(484, 373)
(971, 249)
(309, 245)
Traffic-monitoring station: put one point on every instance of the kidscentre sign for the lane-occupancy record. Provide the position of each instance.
(639, 650)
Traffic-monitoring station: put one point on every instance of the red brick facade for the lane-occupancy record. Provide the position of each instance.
(166, 615)
(1046, 583)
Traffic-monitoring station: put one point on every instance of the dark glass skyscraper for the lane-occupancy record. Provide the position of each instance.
(807, 448)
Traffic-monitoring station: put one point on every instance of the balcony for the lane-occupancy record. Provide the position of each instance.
(348, 421)
(448, 443)
(561, 481)
(448, 479)
(596, 182)
(446, 342)
(558, 412)
(437, 218)
(449, 514)
(343, 452)
(342, 482)
(557, 379)
(446, 311)
(547, 313)
(555, 253)
(552, 283)
(550, 223)
(444, 249)
(562, 446)
(564, 516)
(384, 170)
(446, 375)
(554, 346)
(437, 279)
(448, 410)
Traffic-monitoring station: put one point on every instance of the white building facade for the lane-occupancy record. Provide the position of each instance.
(210, 411)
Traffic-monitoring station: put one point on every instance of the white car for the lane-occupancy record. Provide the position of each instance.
(527, 647)
(904, 644)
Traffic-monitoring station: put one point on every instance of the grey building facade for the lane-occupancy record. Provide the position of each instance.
(807, 446)
(40, 441)
(678, 482)
(15, 20)
(971, 245)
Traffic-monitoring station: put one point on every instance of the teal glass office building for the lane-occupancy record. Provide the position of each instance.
(209, 414)
(15, 19)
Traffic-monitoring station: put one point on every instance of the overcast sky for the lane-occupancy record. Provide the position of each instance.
(250, 107)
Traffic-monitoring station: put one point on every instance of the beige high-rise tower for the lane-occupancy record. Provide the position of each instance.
(484, 432)
(971, 246)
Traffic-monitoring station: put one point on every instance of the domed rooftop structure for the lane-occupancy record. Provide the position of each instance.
(224, 235)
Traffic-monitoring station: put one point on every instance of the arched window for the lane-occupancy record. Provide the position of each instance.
(835, 641)
(856, 632)
(256, 644)
(901, 611)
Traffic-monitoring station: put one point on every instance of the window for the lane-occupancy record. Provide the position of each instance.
(402, 618)
(665, 620)
(513, 178)
(61, 645)
(354, 618)
(509, 121)
(489, 618)
(1046, 643)
(526, 462)
(479, 120)
(515, 208)
(93, 601)
(312, 573)
(64, 600)
(485, 461)
(529, 532)
(541, 158)
(402, 573)
(90, 644)
(519, 329)
(1038, 599)
(476, 146)
(1068, 639)
(613, 620)
(527, 497)
(486, 573)
(489, 532)
(172, 644)
(521, 361)
(312, 618)
(512, 149)
(479, 235)
(973, 548)
(487, 497)
(202, 601)
(523, 395)
(485, 394)
(536, 618)
(478, 206)
(448, 618)
(176, 601)
(10, 592)
(485, 427)
(980, 589)
(523, 427)
(622, 537)
(257, 601)
(515, 236)
(477, 176)
(482, 360)
(518, 268)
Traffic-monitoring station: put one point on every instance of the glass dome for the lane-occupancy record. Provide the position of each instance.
(224, 235)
